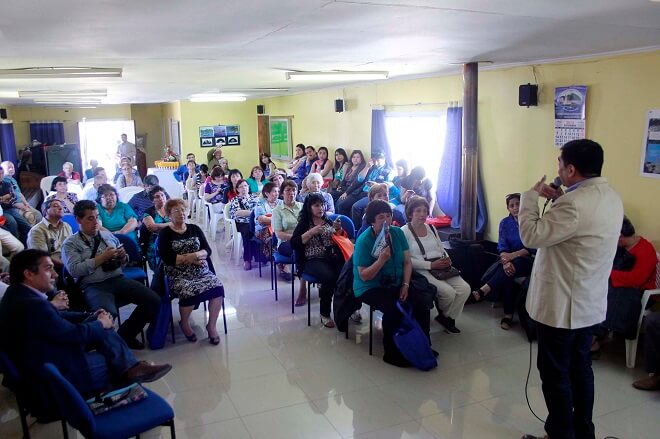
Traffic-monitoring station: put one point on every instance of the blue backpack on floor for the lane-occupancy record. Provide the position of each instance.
(412, 342)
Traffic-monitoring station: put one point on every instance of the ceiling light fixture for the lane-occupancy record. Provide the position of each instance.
(8, 94)
(253, 90)
(60, 72)
(217, 97)
(38, 94)
(85, 101)
(335, 76)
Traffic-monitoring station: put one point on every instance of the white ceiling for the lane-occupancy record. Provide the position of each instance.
(171, 49)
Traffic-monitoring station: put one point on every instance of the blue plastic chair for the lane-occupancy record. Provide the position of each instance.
(13, 381)
(252, 222)
(346, 224)
(287, 260)
(121, 422)
(70, 219)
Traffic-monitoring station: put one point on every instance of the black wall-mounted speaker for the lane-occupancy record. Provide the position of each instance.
(261, 109)
(528, 95)
(339, 105)
(3, 113)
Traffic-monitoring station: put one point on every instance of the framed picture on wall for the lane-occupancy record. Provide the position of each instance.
(651, 145)
(206, 142)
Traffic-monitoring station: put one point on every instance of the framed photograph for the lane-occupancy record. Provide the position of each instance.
(233, 140)
(206, 132)
(650, 166)
(219, 131)
(221, 141)
(206, 142)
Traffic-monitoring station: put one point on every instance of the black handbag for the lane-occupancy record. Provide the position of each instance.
(442, 274)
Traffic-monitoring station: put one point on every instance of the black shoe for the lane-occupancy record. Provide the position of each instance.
(396, 361)
(134, 344)
(448, 323)
(144, 372)
(436, 354)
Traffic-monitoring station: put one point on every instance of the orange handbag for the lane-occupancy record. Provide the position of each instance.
(344, 244)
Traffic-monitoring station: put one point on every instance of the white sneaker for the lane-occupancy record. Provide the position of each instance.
(356, 317)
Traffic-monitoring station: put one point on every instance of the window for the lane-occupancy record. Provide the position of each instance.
(418, 138)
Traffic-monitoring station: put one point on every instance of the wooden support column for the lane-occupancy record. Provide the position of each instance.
(470, 156)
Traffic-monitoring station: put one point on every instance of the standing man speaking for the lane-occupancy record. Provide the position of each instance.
(576, 241)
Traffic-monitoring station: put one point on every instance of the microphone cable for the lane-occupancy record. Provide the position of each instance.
(529, 371)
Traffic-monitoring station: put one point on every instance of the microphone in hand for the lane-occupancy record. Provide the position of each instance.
(552, 191)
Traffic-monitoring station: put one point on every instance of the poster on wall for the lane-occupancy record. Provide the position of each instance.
(570, 113)
(650, 166)
(219, 136)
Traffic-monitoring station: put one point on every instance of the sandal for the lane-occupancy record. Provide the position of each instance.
(327, 322)
(191, 338)
(479, 295)
(506, 323)
(213, 340)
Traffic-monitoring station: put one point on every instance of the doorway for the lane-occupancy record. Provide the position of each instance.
(99, 140)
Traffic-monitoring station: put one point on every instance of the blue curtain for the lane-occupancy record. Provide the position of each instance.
(448, 193)
(7, 142)
(378, 136)
(48, 133)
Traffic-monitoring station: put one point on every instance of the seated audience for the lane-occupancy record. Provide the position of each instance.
(50, 233)
(515, 261)
(213, 157)
(127, 177)
(141, 201)
(401, 168)
(13, 210)
(382, 276)
(181, 170)
(323, 165)
(341, 165)
(202, 175)
(294, 164)
(94, 258)
(224, 166)
(68, 173)
(189, 182)
(123, 162)
(239, 210)
(9, 246)
(314, 181)
(231, 181)
(214, 191)
(267, 165)
(83, 345)
(317, 254)
(633, 271)
(356, 169)
(10, 171)
(284, 221)
(407, 187)
(380, 191)
(66, 198)
(651, 354)
(154, 219)
(263, 212)
(89, 173)
(427, 253)
(378, 172)
(116, 216)
(278, 178)
(90, 192)
(185, 253)
(256, 180)
(304, 167)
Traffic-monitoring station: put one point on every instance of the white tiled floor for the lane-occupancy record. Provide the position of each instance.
(274, 377)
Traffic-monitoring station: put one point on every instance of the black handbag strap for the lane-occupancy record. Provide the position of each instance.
(419, 243)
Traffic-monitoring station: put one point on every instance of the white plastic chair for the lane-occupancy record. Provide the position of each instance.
(631, 345)
(234, 239)
(214, 218)
(45, 184)
(192, 202)
(201, 210)
(75, 188)
(126, 193)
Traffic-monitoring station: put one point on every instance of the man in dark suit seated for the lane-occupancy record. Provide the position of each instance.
(33, 331)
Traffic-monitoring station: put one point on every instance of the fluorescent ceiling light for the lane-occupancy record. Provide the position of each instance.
(217, 97)
(335, 76)
(84, 101)
(8, 94)
(253, 90)
(38, 94)
(60, 72)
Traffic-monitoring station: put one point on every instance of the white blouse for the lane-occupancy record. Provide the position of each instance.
(431, 243)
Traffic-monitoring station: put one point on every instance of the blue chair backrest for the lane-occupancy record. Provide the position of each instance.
(252, 223)
(8, 369)
(346, 224)
(70, 219)
(131, 247)
(72, 406)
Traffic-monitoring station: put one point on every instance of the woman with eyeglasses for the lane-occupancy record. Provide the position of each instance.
(186, 253)
(515, 261)
(240, 208)
(115, 216)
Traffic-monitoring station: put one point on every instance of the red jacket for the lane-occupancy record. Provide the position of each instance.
(643, 273)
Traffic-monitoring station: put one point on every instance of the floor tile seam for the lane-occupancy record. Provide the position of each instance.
(260, 412)
(632, 406)
(531, 416)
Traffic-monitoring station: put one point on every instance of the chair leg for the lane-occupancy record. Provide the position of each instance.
(65, 429)
(172, 429)
(23, 414)
(224, 316)
(309, 304)
(631, 353)
(371, 330)
(293, 281)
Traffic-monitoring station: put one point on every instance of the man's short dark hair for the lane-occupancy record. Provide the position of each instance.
(151, 180)
(46, 205)
(374, 208)
(98, 170)
(25, 260)
(82, 206)
(627, 228)
(585, 155)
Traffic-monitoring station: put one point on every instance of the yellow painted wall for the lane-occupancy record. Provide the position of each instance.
(244, 114)
(149, 120)
(170, 111)
(516, 144)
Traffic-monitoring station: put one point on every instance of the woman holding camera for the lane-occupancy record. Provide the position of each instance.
(317, 254)
(185, 252)
(428, 255)
(382, 276)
